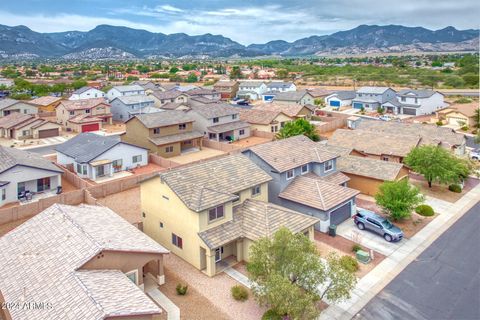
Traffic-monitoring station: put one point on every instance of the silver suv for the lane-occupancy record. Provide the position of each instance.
(369, 220)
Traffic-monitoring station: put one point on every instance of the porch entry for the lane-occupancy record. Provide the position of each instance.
(218, 254)
(100, 171)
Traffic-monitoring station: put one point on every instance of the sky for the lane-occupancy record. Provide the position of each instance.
(244, 21)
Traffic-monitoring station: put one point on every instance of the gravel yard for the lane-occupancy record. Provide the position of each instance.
(126, 204)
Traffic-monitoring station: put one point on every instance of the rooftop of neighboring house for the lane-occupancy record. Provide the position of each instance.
(319, 92)
(255, 219)
(43, 258)
(202, 100)
(82, 90)
(163, 118)
(134, 99)
(84, 118)
(293, 96)
(228, 126)
(385, 143)
(373, 90)
(173, 105)
(165, 95)
(345, 95)
(72, 105)
(129, 88)
(425, 93)
(224, 83)
(429, 134)
(210, 183)
(87, 146)
(368, 167)
(315, 192)
(146, 84)
(45, 101)
(467, 109)
(13, 119)
(293, 152)
(163, 140)
(254, 84)
(256, 116)
(201, 92)
(291, 110)
(279, 85)
(216, 110)
(11, 157)
(148, 109)
(7, 102)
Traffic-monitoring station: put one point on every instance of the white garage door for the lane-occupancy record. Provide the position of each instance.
(455, 121)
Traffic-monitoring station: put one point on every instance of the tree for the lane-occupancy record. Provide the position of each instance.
(435, 163)
(398, 198)
(282, 74)
(476, 120)
(173, 70)
(77, 84)
(192, 78)
(298, 127)
(288, 272)
(235, 73)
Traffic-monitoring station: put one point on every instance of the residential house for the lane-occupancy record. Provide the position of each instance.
(302, 97)
(165, 133)
(372, 98)
(460, 114)
(161, 98)
(227, 89)
(8, 106)
(86, 93)
(210, 213)
(263, 120)
(149, 86)
(125, 107)
(319, 93)
(93, 156)
(22, 171)
(294, 111)
(128, 90)
(305, 178)
(83, 115)
(251, 90)
(204, 93)
(21, 126)
(82, 262)
(46, 103)
(219, 122)
(415, 102)
(340, 99)
(281, 86)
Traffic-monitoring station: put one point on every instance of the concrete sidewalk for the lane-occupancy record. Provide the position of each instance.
(151, 289)
(238, 276)
(388, 269)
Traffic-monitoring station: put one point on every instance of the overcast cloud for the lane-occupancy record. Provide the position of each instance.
(245, 21)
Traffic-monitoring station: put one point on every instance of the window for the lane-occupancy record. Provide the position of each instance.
(4, 194)
(329, 165)
(215, 120)
(169, 149)
(374, 223)
(274, 129)
(72, 113)
(165, 197)
(403, 99)
(241, 132)
(177, 241)
(234, 116)
(416, 100)
(290, 174)
(215, 213)
(87, 110)
(238, 199)
(156, 131)
(25, 132)
(385, 158)
(212, 135)
(117, 165)
(133, 275)
(256, 191)
(304, 168)
(182, 126)
(144, 215)
(136, 159)
(43, 184)
(161, 225)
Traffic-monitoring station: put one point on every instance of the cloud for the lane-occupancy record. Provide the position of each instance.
(168, 8)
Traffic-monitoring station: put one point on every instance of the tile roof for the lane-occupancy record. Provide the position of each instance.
(368, 167)
(42, 258)
(82, 90)
(335, 178)
(293, 96)
(175, 138)
(202, 100)
(429, 134)
(84, 118)
(14, 119)
(255, 219)
(256, 116)
(45, 101)
(467, 109)
(425, 93)
(224, 83)
(319, 92)
(173, 105)
(209, 111)
(316, 193)
(345, 95)
(165, 95)
(208, 184)
(279, 84)
(251, 83)
(129, 88)
(72, 105)
(234, 125)
(11, 157)
(134, 99)
(374, 142)
(375, 90)
(163, 118)
(7, 102)
(291, 110)
(292, 152)
(201, 92)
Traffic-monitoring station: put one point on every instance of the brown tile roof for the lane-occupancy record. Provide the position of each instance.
(72, 105)
(291, 110)
(292, 152)
(13, 119)
(163, 118)
(223, 83)
(169, 94)
(219, 128)
(255, 219)
(318, 92)
(84, 118)
(467, 109)
(335, 178)
(376, 143)
(367, 167)
(173, 105)
(316, 193)
(208, 184)
(176, 138)
(255, 116)
(46, 100)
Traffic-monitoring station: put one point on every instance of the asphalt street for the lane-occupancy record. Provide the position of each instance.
(442, 283)
(43, 150)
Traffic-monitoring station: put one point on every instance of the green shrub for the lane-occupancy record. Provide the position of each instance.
(424, 210)
(464, 128)
(239, 293)
(349, 264)
(181, 289)
(356, 247)
(439, 123)
(463, 100)
(271, 315)
(455, 188)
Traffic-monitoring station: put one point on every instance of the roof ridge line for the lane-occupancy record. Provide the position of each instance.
(320, 194)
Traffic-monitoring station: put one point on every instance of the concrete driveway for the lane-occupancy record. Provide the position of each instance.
(371, 240)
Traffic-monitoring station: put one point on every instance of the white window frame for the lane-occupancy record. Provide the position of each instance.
(293, 174)
(3, 194)
(254, 190)
(216, 213)
(306, 171)
(326, 164)
(137, 157)
(133, 272)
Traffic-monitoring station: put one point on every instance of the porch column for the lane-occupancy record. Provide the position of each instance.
(94, 173)
(200, 143)
(210, 258)
(239, 247)
(110, 167)
(160, 272)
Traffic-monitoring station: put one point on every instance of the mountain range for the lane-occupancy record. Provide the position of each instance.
(113, 42)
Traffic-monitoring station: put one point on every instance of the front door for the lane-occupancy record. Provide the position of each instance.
(100, 171)
(218, 254)
(43, 184)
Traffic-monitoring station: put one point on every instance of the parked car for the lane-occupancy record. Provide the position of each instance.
(369, 220)
(475, 154)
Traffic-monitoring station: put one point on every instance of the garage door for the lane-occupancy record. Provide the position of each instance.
(357, 105)
(334, 103)
(409, 111)
(455, 121)
(341, 214)
(90, 127)
(48, 133)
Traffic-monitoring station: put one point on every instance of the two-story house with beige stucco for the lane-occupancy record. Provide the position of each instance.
(83, 115)
(210, 213)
